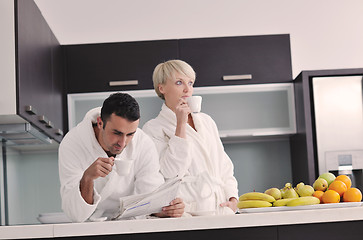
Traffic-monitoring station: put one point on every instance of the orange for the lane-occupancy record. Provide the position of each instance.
(318, 194)
(352, 195)
(330, 196)
(338, 186)
(345, 179)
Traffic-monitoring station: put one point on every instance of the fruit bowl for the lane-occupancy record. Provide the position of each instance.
(306, 207)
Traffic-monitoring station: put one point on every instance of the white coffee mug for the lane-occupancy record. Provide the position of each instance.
(123, 166)
(195, 103)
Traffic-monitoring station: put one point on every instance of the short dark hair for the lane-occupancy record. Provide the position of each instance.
(121, 104)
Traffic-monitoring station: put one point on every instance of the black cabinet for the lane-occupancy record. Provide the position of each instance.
(255, 59)
(91, 67)
(39, 70)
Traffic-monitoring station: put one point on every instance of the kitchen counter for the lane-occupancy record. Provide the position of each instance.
(247, 224)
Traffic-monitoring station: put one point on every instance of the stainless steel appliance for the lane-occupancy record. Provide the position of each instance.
(329, 122)
(338, 108)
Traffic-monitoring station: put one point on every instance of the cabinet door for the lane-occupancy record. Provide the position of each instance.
(58, 92)
(266, 58)
(34, 80)
(36, 49)
(91, 67)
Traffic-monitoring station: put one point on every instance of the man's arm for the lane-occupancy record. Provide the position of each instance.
(99, 168)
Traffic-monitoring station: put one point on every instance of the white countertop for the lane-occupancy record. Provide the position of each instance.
(180, 224)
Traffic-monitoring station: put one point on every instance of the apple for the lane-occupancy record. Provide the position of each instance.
(274, 192)
(329, 177)
(320, 184)
(304, 190)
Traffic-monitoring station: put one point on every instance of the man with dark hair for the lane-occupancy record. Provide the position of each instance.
(90, 188)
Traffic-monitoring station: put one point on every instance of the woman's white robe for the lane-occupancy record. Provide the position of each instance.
(200, 160)
(80, 148)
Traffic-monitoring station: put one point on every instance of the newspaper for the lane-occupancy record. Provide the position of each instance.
(146, 204)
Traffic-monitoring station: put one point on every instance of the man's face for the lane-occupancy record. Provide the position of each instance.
(116, 134)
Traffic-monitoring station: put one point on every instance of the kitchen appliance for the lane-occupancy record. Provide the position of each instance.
(338, 112)
(22, 134)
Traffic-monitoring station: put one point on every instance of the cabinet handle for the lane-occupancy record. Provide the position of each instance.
(58, 132)
(49, 124)
(123, 83)
(31, 110)
(43, 119)
(237, 77)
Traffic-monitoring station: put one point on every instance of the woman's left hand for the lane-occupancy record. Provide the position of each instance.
(232, 204)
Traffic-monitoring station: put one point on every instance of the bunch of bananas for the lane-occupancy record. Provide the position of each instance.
(255, 200)
(258, 200)
(293, 202)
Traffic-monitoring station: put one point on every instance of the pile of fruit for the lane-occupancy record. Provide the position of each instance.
(326, 189)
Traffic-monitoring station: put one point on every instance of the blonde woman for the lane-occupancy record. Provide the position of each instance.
(189, 145)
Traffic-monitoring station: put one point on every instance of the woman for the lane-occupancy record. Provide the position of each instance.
(189, 145)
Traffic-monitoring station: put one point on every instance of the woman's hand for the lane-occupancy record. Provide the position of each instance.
(175, 209)
(232, 204)
(182, 111)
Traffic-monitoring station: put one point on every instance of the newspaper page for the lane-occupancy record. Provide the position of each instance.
(145, 204)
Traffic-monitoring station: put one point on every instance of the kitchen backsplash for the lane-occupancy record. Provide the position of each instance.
(32, 185)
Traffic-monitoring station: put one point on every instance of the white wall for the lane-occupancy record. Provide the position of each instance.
(324, 34)
(7, 58)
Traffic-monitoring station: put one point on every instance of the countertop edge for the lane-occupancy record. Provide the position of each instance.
(183, 224)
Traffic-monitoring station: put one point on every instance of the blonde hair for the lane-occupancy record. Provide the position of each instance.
(167, 70)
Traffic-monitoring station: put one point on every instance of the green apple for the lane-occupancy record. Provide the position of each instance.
(275, 192)
(320, 184)
(304, 190)
(329, 177)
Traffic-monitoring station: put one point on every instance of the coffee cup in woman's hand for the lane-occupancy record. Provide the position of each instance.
(195, 103)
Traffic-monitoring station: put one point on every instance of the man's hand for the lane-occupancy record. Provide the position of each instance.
(232, 204)
(99, 168)
(175, 209)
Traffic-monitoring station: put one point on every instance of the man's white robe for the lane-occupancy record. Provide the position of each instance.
(199, 159)
(80, 148)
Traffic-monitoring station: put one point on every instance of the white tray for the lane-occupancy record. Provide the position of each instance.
(306, 207)
(57, 217)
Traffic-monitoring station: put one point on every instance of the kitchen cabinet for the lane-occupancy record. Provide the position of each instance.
(39, 71)
(254, 111)
(238, 60)
(303, 145)
(95, 67)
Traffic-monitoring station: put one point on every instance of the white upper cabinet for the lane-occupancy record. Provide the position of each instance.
(240, 111)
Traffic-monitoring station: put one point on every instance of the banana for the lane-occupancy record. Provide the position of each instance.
(257, 196)
(253, 204)
(282, 202)
(303, 201)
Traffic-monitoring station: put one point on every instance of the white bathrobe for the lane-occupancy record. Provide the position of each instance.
(200, 160)
(80, 148)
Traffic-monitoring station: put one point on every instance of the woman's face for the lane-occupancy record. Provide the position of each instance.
(175, 88)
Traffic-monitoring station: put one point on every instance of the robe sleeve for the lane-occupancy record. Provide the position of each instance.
(70, 173)
(225, 165)
(230, 182)
(174, 152)
(148, 176)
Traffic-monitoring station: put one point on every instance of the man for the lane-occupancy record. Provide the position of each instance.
(90, 187)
